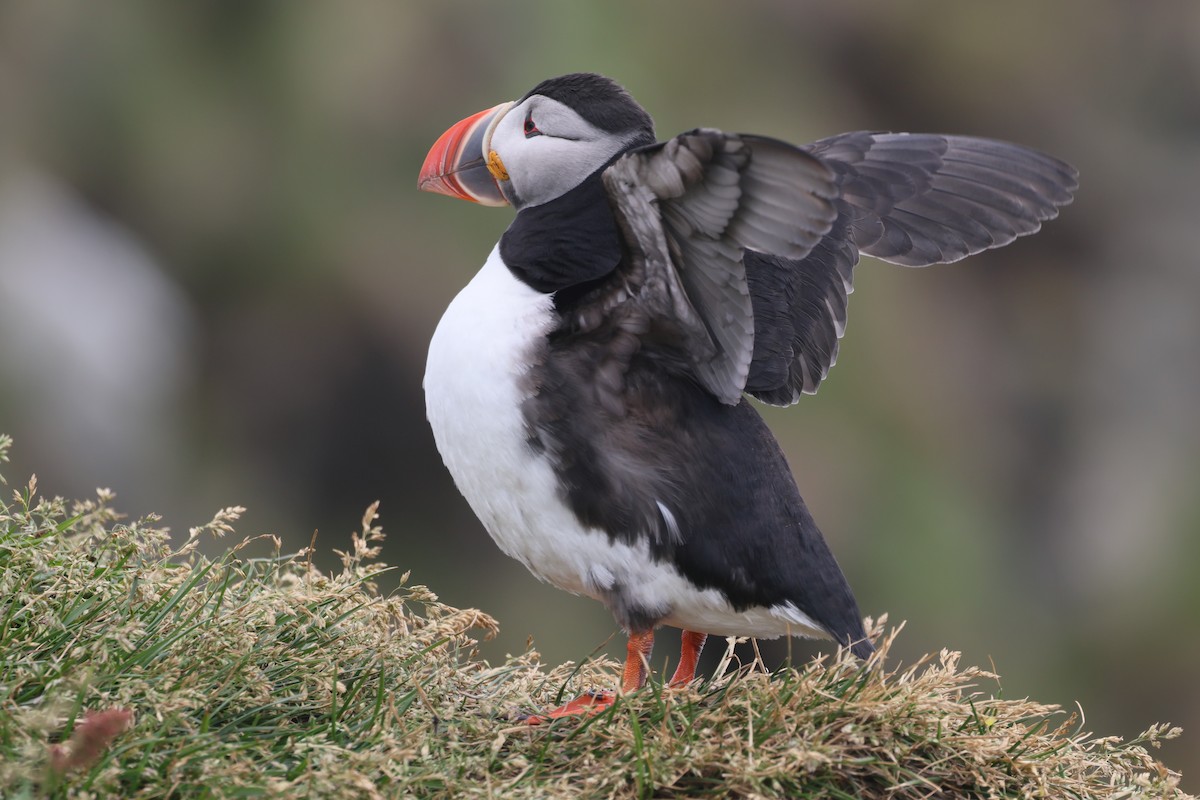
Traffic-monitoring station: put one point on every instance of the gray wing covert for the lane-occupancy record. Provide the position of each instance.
(690, 208)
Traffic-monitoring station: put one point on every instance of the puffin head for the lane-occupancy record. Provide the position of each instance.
(530, 151)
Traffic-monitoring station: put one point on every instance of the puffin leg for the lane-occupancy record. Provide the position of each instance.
(637, 661)
(689, 655)
(633, 677)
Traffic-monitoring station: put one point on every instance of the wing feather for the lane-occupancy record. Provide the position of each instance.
(712, 196)
(742, 248)
(912, 199)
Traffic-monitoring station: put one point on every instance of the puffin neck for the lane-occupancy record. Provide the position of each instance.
(570, 240)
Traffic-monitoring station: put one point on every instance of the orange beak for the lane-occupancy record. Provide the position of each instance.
(458, 163)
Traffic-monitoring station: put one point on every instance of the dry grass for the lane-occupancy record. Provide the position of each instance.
(131, 667)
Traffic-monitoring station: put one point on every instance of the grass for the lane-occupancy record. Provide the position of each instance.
(134, 667)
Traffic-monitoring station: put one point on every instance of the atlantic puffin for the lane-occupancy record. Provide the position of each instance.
(588, 389)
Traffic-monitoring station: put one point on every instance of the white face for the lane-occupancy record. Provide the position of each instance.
(547, 149)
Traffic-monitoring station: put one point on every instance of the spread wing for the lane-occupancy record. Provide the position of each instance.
(920, 199)
(911, 199)
(741, 249)
(690, 209)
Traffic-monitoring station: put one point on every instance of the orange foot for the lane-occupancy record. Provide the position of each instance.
(637, 668)
(588, 703)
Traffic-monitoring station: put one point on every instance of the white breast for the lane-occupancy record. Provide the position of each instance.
(475, 381)
(478, 358)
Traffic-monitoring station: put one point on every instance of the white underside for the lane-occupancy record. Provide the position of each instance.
(477, 359)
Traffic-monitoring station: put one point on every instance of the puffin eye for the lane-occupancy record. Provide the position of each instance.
(530, 128)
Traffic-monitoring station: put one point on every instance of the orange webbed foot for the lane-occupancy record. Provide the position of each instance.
(587, 704)
(633, 677)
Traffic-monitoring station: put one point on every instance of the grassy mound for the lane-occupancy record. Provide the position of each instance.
(132, 667)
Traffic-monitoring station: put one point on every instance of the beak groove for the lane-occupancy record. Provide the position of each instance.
(457, 163)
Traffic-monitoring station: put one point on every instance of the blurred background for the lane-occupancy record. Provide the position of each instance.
(218, 281)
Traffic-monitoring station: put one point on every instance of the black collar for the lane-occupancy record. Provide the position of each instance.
(570, 240)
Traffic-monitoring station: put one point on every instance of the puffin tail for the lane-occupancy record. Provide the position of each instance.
(861, 647)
